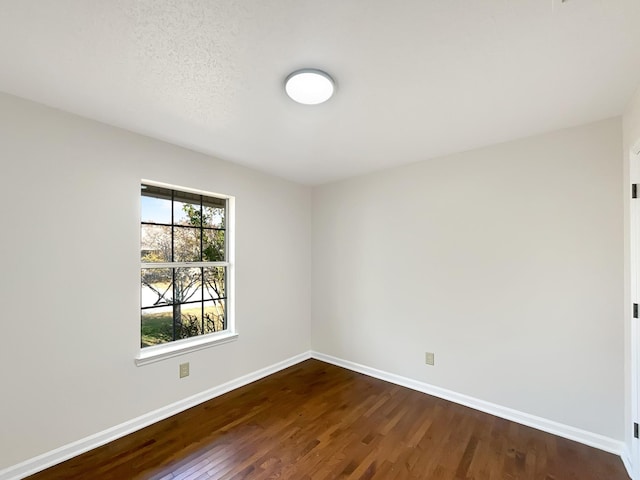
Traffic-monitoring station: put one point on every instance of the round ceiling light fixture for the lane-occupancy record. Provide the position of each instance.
(309, 86)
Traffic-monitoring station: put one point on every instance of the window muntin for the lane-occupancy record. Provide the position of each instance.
(184, 265)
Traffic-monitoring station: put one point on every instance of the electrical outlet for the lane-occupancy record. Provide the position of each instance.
(184, 370)
(429, 358)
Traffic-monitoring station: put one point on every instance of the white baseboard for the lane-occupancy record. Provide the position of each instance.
(588, 438)
(46, 460)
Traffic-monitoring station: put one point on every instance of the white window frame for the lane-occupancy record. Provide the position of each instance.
(175, 348)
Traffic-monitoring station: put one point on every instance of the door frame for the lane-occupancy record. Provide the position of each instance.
(634, 285)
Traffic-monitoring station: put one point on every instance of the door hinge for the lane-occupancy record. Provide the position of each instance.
(635, 430)
(635, 310)
(634, 190)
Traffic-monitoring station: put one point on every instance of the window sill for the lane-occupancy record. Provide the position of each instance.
(181, 347)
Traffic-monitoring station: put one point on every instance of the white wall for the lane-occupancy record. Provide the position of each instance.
(70, 270)
(631, 122)
(507, 262)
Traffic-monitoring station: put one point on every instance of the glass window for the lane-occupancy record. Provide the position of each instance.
(184, 265)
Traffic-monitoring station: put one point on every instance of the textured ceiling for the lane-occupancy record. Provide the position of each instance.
(416, 78)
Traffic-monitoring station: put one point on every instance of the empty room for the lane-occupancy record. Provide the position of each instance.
(353, 239)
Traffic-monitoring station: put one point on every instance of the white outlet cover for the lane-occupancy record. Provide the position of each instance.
(429, 358)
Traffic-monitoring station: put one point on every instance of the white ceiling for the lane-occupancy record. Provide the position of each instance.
(416, 78)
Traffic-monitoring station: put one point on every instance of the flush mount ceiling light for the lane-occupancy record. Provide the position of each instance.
(309, 86)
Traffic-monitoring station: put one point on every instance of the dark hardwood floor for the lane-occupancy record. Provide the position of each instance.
(317, 421)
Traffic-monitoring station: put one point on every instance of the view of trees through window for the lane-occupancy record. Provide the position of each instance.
(183, 265)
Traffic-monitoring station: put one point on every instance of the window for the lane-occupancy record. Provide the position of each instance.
(185, 271)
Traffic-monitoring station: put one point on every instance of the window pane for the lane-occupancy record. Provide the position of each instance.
(188, 284)
(214, 283)
(155, 244)
(156, 287)
(156, 326)
(214, 212)
(187, 213)
(213, 245)
(190, 324)
(155, 205)
(214, 316)
(186, 244)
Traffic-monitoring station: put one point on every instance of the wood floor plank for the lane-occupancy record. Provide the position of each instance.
(316, 421)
